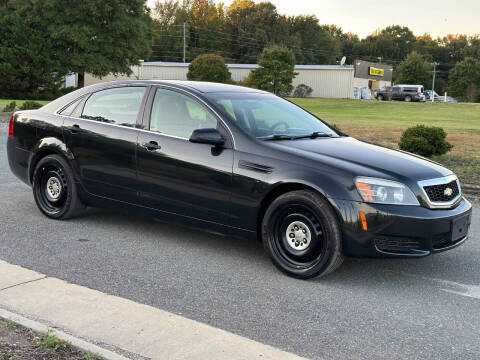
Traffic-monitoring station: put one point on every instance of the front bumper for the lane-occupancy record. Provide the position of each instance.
(402, 231)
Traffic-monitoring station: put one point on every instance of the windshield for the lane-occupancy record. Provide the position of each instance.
(266, 116)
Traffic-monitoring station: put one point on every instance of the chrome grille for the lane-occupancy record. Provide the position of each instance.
(440, 193)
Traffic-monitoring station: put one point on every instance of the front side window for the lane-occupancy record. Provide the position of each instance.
(178, 115)
(118, 106)
(264, 115)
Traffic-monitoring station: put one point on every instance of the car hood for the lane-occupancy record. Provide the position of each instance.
(364, 159)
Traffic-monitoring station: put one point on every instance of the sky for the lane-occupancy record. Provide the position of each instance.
(362, 17)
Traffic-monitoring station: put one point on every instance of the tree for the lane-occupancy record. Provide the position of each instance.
(391, 44)
(27, 63)
(414, 70)
(311, 42)
(464, 80)
(209, 67)
(99, 37)
(454, 46)
(344, 43)
(251, 27)
(276, 71)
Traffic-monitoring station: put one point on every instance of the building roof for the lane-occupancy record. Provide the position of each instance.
(254, 66)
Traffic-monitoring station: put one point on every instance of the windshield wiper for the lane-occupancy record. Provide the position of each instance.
(313, 135)
(279, 137)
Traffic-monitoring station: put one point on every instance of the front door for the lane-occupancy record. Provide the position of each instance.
(102, 137)
(178, 176)
(396, 93)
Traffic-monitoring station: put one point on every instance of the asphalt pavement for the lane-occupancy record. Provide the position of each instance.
(425, 308)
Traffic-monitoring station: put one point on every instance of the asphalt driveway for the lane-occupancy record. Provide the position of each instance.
(423, 308)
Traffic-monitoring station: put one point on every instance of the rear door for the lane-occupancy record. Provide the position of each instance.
(178, 176)
(102, 136)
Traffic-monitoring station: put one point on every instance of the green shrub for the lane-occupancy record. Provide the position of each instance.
(10, 107)
(425, 141)
(209, 67)
(30, 105)
(302, 91)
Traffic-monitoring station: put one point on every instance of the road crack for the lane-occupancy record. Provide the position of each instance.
(23, 283)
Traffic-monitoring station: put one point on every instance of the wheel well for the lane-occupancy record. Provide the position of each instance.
(272, 195)
(37, 157)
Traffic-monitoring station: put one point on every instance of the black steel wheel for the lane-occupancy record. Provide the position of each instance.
(300, 232)
(54, 188)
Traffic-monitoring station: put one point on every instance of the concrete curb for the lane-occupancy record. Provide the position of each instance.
(80, 344)
(123, 326)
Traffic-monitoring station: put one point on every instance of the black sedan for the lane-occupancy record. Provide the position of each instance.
(236, 161)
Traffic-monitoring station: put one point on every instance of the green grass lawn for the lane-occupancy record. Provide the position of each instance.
(384, 122)
(4, 102)
(463, 118)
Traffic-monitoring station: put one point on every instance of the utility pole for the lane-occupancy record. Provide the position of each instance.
(433, 82)
(184, 47)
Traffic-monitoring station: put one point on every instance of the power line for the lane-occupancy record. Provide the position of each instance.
(256, 45)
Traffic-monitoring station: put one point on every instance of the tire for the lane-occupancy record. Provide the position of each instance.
(296, 213)
(408, 98)
(380, 97)
(54, 188)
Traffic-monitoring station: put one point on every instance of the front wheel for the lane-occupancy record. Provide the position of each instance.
(380, 97)
(302, 236)
(54, 188)
(408, 99)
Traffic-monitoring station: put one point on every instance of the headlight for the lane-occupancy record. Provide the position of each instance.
(382, 191)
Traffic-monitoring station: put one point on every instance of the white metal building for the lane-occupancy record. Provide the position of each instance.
(327, 81)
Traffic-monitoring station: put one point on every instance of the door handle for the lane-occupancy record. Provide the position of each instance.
(74, 129)
(152, 146)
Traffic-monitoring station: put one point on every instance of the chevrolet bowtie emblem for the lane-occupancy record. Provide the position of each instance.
(448, 192)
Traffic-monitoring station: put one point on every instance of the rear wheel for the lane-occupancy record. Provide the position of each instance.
(408, 98)
(379, 97)
(54, 188)
(302, 235)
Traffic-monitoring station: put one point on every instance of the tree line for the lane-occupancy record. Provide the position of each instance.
(41, 41)
(241, 31)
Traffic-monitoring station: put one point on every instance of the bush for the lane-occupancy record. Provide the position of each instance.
(30, 105)
(302, 91)
(425, 141)
(10, 107)
(209, 67)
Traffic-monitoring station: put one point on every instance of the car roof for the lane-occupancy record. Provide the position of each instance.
(200, 86)
(196, 86)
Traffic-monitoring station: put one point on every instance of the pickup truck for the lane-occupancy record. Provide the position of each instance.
(406, 93)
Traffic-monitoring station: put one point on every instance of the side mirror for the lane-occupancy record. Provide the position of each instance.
(207, 136)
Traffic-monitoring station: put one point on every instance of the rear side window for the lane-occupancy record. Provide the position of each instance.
(118, 106)
(70, 108)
